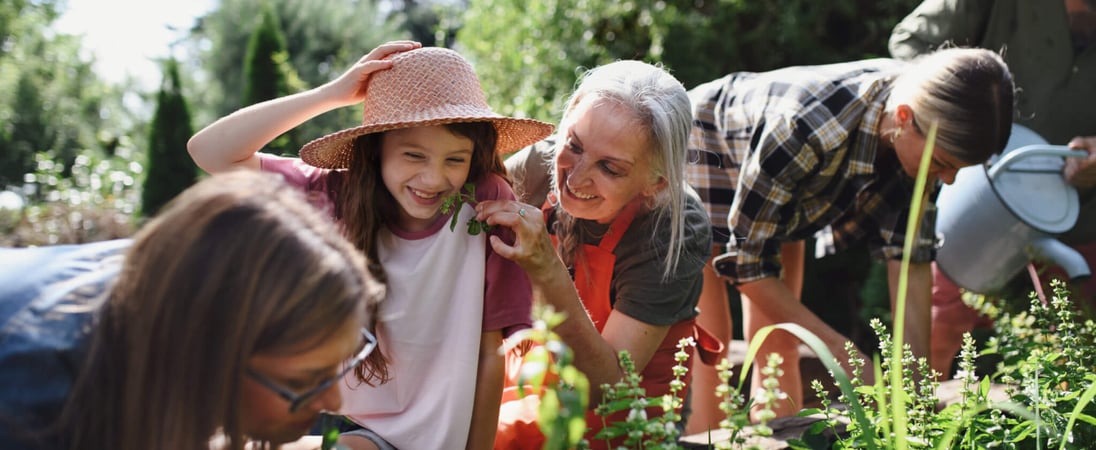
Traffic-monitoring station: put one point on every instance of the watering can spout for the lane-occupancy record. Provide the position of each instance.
(1062, 255)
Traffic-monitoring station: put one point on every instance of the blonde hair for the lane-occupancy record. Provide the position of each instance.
(237, 265)
(967, 93)
(660, 106)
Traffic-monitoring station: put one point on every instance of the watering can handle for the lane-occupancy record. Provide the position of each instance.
(1033, 150)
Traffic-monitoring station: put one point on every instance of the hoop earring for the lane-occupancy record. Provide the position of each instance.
(895, 135)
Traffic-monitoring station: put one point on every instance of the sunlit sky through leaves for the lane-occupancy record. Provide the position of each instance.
(126, 36)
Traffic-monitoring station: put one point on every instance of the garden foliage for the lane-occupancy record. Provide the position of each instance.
(529, 54)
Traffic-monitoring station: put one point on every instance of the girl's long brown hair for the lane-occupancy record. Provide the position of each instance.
(364, 204)
(237, 265)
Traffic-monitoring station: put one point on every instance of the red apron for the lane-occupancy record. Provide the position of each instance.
(517, 427)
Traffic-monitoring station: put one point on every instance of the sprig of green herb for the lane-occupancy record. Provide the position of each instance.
(330, 426)
(453, 204)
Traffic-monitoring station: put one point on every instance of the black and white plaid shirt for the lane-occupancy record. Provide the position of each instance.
(783, 155)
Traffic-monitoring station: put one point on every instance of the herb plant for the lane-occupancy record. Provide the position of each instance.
(547, 369)
(453, 203)
(329, 425)
(639, 430)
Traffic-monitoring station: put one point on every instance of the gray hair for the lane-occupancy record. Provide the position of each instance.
(967, 92)
(659, 104)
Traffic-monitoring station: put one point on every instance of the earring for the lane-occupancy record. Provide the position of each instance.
(903, 115)
(897, 134)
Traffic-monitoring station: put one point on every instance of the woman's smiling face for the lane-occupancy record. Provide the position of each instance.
(604, 161)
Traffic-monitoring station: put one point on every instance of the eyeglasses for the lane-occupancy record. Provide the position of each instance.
(369, 342)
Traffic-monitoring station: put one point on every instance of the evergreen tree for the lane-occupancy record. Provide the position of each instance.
(29, 132)
(170, 169)
(267, 74)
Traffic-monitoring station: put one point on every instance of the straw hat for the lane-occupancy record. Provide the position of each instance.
(426, 86)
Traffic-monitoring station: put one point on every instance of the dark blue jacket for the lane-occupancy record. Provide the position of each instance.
(48, 300)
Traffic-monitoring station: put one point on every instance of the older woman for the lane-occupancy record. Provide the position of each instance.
(622, 240)
(833, 150)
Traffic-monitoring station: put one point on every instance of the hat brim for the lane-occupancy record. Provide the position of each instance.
(334, 150)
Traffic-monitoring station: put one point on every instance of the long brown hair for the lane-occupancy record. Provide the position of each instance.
(237, 265)
(364, 204)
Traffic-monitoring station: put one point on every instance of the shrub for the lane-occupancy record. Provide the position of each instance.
(97, 202)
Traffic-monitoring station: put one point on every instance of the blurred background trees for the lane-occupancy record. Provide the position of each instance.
(66, 139)
(698, 40)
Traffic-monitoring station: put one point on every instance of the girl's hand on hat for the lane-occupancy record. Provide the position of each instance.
(349, 88)
(532, 248)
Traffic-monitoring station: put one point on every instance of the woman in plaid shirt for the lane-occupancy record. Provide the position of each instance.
(833, 150)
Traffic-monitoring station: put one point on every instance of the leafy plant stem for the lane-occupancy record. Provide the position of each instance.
(917, 208)
(1086, 398)
(827, 359)
(453, 203)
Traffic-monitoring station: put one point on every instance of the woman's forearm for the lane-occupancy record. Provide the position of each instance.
(918, 311)
(594, 356)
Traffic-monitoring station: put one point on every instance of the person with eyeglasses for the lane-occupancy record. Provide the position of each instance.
(226, 322)
(829, 151)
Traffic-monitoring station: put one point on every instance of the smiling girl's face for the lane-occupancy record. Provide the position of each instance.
(604, 161)
(421, 166)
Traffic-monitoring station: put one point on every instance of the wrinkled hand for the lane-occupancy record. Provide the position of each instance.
(532, 248)
(1081, 172)
(349, 88)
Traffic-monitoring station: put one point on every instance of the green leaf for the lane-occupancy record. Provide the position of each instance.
(818, 427)
(453, 221)
(576, 428)
(330, 432)
(913, 222)
(447, 203)
(1078, 409)
(824, 356)
(534, 368)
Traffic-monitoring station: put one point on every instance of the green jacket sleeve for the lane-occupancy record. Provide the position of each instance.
(935, 22)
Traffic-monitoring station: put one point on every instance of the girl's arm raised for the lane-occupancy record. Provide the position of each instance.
(233, 141)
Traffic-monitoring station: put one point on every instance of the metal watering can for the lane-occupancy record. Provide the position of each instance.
(994, 219)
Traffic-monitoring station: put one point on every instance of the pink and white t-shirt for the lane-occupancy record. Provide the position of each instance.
(444, 289)
(507, 292)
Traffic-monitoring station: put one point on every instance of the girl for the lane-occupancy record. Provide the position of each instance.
(226, 321)
(426, 133)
